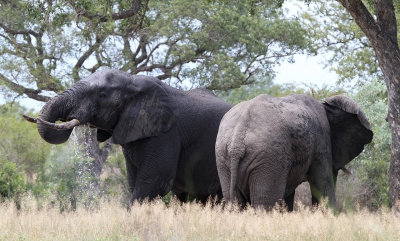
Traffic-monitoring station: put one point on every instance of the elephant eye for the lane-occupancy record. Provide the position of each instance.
(102, 95)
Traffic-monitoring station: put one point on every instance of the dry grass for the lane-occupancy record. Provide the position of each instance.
(193, 222)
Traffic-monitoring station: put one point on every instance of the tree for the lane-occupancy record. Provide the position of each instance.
(349, 52)
(379, 24)
(47, 45)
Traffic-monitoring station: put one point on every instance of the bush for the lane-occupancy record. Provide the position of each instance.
(368, 186)
(12, 182)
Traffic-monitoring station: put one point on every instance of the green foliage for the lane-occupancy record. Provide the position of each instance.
(268, 87)
(238, 47)
(115, 180)
(12, 182)
(372, 166)
(349, 52)
(21, 146)
(214, 44)
(20, 142)
(368, 187)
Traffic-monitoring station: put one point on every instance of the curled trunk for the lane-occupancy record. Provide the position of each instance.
(56, 109)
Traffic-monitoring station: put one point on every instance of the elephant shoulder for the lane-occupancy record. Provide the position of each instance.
(201, 91)
(301, 99)
(204, 100)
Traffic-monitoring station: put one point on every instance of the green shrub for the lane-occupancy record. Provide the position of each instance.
(12, 182)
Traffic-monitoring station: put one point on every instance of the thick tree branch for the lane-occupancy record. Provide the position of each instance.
(85, 56)
(362, 17)
(148, 56)
(31, 93)
(386, 18)
(249, 65)
(16, 32)
(141, 49)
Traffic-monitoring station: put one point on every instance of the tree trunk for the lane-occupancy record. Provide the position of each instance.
(389, 61)
(382, 33)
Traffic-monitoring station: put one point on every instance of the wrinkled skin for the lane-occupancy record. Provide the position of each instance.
(167, 135)
(267, 146)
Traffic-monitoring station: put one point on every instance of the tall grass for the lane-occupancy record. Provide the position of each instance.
(155, 221)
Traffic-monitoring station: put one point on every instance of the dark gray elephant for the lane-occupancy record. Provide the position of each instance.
(167, 135)
(267, 146)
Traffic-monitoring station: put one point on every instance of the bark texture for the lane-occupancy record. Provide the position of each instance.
(382, 33)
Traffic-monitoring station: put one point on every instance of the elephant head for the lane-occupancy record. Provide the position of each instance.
(122, 106)
(350, 129)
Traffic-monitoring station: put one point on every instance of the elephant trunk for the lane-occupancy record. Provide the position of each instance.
(58, 108)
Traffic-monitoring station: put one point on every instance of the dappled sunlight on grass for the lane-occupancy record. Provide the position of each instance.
(156, 221)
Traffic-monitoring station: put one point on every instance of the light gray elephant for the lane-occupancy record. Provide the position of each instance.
(267, 146)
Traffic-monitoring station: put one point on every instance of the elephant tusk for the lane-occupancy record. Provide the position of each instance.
(347, 171)
(64, 126)
(30, 119)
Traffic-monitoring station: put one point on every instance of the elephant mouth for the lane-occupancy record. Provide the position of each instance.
(63, 126)
(100, 128)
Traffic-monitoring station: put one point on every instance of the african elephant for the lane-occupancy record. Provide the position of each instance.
(167, 135)
(267, 146)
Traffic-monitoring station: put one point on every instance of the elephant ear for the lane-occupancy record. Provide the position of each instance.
(350, 129)
(147, 114)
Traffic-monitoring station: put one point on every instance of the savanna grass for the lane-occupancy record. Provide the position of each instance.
(191, 221)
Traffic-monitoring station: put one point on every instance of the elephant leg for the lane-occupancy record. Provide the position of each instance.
(156, 161)
(218, 196)
(213, 198)
(322, 182)
(131, 172)
(267, 187)
(182, 197)
(289, 201)
(314, 201)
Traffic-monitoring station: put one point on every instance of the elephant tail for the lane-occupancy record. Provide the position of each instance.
(230, 150)
(234, 170)
(236, 153)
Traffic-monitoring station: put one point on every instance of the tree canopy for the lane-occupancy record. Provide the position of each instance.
(48, 45)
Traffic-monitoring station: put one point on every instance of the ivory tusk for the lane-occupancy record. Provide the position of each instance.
(64, 126)
(30, 119)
